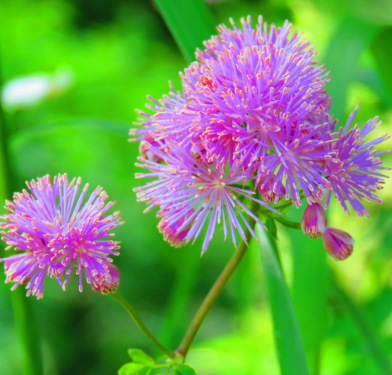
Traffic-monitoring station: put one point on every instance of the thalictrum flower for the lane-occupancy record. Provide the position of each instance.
(338, 243)
(253, 113)
(56, 231)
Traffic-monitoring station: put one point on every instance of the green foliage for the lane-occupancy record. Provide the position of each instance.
(183, 369)
(381, 47)
(138, 356)
(310, 294)
(348, 43)
(142, 364)
(287, 336)
(135, 369)
(189, 21)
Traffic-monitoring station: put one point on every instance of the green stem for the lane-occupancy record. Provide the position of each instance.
(23, 310)
(139, 322)
(216, 289)
(283, 221)
(282, 206)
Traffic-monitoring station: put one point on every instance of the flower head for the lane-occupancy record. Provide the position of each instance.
(254, 99)
(252, 117)
(338, 243)
(57, 231)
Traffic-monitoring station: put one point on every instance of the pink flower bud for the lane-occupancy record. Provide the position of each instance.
(314, 221)
(111, 282)
(198, 153)
(269, 190)
(145, 149)
(338, 243)
(174, 233)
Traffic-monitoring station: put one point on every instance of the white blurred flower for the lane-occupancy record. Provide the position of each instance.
(24, 92)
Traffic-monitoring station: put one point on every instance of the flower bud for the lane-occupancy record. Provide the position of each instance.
(314, 221)
(111, 282)
(173, 233)
(269, 190)
(145, 148)
(338, 243)
(198, 153)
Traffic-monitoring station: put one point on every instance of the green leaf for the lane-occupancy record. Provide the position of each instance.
(310, 294)
(135, 369)
(273, 236)
(364, 327)
(288, 338)
(347, 44)
(381, 49)
(138, 356)
(190, 22)
(183, 369)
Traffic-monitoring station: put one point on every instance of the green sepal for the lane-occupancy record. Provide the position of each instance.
(135, 369)
(138, 356)
(183, 369)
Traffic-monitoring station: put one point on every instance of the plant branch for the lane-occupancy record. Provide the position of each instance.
(139, 322)
(216, 289)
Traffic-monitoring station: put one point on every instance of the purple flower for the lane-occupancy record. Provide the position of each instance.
(252, 116)
(191, 194)
(354, 166)
(57, 231)
(338, 243)
(255, 100)
(314, 221)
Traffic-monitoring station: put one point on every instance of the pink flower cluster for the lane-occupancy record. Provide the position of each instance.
(54, 232)
(252, 120)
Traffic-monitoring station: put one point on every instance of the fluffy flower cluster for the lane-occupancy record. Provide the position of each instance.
(53, 232)
(253, 115)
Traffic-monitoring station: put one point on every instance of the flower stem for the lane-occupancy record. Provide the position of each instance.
(216, 289)
(139, 322)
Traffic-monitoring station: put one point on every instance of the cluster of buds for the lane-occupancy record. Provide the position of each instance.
(337, 243)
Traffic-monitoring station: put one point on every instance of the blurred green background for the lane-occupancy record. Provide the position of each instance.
(96, 61)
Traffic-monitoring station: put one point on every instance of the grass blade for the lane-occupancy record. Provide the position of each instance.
(345, 48)
(381, 50)
(190, 23)
(352, 310)
(288, 339)
(310, 294)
